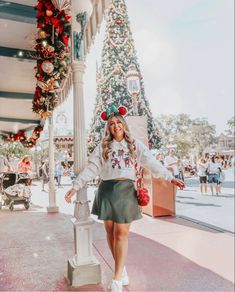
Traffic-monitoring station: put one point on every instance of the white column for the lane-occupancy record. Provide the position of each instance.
(52, 208)
(83, 268)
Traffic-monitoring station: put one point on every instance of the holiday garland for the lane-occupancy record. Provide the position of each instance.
(53, 54)
(21, 137)
(53, 60)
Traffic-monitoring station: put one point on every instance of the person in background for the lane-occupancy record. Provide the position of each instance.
(25, 166)
(181, 169)
(213, 174)
(116, 200)
(202, 169)
(58, 173)
(221, 179)
(171, 162)
(45, 174)
(160, 158)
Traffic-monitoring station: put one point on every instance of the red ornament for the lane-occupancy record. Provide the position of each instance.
(104, 116)
(122, 110)
(118, 21)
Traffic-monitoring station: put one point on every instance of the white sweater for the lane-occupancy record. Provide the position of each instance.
(119, 164)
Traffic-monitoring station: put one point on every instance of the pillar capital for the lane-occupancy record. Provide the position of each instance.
(79, 66)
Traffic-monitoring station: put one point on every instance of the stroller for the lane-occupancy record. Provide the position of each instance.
(14, 190)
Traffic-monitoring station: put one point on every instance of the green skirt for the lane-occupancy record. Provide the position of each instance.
(116, 200)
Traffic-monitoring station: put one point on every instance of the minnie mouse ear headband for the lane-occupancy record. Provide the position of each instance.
(112, 111)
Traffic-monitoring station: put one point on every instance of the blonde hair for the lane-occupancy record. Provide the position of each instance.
(202, 160)
(108, 138)
(25, 157)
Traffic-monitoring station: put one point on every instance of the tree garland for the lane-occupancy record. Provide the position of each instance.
(52, 63)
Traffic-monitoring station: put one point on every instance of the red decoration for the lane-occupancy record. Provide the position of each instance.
(104, 116)
(118, 21)
(122, 110)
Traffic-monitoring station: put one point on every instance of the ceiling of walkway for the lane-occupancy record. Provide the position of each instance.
(17, 62)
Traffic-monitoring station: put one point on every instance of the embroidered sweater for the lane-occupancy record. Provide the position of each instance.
(119, 164)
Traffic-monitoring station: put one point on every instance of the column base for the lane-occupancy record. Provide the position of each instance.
(83, 274)
(52, 209)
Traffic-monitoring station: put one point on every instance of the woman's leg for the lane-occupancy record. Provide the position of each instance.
(121, 232)
(205, 185)
(109, 227)
(201, 188)
(59, 180)
(212, 189)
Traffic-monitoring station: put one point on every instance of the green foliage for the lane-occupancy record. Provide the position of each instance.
(185, 134)
(231, 127)
(11, 150)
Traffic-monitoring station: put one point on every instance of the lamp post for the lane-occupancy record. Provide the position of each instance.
(133, 86)
(83, 268)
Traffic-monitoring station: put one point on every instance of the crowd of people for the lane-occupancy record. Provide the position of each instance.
(209, 169)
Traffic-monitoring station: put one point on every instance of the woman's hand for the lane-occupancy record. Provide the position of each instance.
(69, 195)
(179, 183)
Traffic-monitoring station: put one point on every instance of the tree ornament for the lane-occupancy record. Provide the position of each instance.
(118, 21)
(47, 67)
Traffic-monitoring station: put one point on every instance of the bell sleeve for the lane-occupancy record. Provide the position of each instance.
(91, 171)
(147, 160)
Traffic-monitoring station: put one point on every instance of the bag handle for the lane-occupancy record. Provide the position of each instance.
(138, 170)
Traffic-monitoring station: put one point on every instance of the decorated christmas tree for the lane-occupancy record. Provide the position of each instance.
(119, 80)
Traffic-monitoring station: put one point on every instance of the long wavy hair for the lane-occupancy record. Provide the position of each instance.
(108, 138)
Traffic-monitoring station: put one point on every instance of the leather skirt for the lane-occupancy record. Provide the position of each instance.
(116, 200)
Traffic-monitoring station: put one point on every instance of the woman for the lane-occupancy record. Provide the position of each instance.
(45, 174)
(213, 174)
(202, 169)
(59, 170)
(25, 166)
(116, 201)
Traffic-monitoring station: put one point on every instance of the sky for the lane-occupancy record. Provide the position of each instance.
(185, 49)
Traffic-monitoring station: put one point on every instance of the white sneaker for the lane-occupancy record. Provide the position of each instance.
(116, 286)
(125, 278)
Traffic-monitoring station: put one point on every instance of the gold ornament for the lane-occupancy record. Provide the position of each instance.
(46, 115)
(43, 114)
(49, 13)
(42, 34)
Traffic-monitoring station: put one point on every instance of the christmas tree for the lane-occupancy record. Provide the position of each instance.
(119, 80)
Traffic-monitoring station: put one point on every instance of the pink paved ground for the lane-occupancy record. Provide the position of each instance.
(35, 246)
